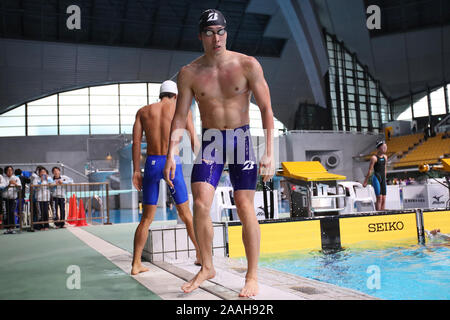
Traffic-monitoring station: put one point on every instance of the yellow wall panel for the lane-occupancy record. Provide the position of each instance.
(383, 228)
(437, 220)
(279, 237)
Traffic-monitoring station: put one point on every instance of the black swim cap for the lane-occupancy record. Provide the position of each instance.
(211, 17)
(380, 143)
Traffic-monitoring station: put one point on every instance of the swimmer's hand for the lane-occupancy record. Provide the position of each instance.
(169, 171)
(137, 180)
(364, 184)
(266, 168)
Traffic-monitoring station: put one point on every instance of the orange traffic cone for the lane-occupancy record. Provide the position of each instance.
(81, 215)
(73, 212)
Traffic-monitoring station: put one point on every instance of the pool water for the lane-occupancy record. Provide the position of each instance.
(400, 272)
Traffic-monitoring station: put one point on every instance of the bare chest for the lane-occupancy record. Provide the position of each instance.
(220, 83)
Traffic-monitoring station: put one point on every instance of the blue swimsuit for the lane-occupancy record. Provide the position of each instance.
(154, 167)
(220, 146)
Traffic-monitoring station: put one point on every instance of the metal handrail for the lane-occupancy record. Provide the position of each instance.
(82, 190)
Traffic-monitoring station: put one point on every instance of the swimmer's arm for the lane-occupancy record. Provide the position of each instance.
(371, 165)
(137, 138)
(385, 167)
(261, 92)
(195, 145)
(184, 101)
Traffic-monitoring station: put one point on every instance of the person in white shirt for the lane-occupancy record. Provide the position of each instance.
(2, 182)
(34, 178)
(59, 196)
(11, 185)
(43, 196)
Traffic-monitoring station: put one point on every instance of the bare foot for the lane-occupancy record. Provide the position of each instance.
(250, 289)
(138, 269)
(201, 276)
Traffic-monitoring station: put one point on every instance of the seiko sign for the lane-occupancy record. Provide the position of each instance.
(386, 226)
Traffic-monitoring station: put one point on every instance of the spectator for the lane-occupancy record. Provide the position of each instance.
(43, 196)
(21, 199)
(2, 182)
(35, 211)
(11, 185)
(59, 196)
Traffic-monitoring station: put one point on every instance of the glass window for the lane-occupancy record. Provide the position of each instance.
(133, 89)
(438, 102)
(12, 131)
(364, 115)
(126, 101)
(73, 100)
(105, 120)
(16, 112)
(127, 120)
(47, 101)
(129, 111)
(420, 106)
(74, 110)
(153, 90)
(37, 110)
(448, 94)
(42, 130)
(74, 120)
(404, 115)
(105, 129)
(104, 100)
(6, 121)
(13, 118)
(74, 130)
(45, 120)
(108, 90)
(105, 110)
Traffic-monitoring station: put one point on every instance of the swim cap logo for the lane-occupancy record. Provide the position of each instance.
(212, 17)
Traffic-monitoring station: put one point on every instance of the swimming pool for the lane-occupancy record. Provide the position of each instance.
(400, 272)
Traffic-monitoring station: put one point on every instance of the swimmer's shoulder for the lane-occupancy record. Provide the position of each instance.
(147, 109)
(373, 158)
(187, 74)
(249, 63)
(192, 67)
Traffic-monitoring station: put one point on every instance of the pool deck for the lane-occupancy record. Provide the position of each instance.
(111, 247)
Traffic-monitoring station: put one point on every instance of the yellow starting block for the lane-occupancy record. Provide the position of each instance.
(308, 171)
(316, 192)
(445, 166)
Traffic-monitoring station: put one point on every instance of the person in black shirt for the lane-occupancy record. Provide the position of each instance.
(377, 165)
